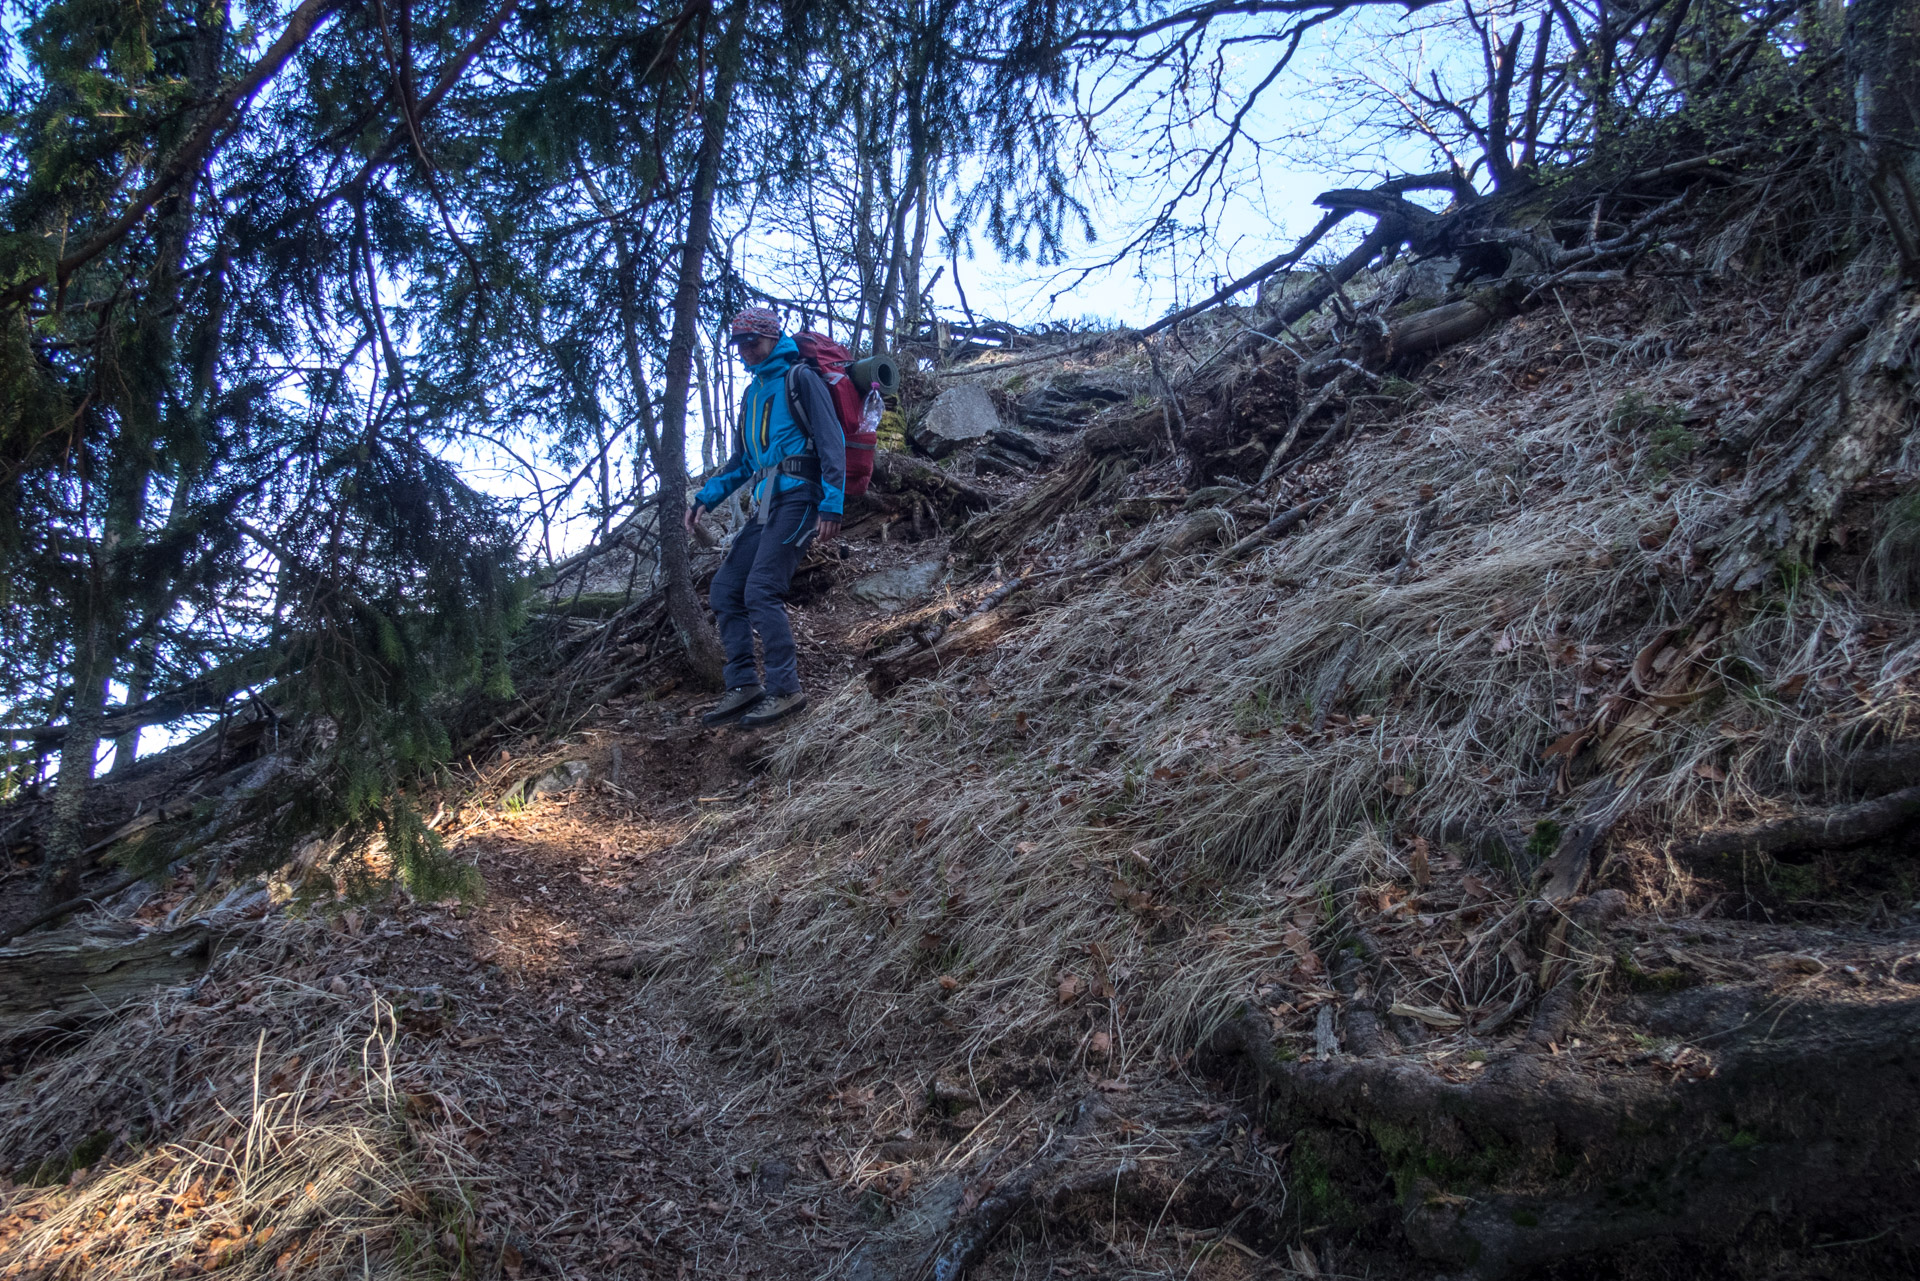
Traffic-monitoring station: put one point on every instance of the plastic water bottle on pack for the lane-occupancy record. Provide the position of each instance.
(871, 412)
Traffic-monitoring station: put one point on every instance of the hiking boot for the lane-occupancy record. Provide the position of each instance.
(735, 704)
(772, 708)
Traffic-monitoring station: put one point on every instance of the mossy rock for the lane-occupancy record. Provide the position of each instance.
(56, 1169)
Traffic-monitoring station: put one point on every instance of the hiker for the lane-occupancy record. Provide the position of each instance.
(795, 465)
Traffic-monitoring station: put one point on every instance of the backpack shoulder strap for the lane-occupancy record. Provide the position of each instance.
(795, 405)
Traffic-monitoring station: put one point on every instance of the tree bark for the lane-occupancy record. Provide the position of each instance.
(683, 604)
(917, 258)
(62, 980)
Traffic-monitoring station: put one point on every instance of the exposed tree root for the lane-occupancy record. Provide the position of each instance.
(1782, 1117)
(969, 637)
(1867, 772)
(1279, 525)
(895, 473)
(967, 1241)
(1835, 828)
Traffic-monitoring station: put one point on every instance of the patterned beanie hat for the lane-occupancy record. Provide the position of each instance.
(755, 321)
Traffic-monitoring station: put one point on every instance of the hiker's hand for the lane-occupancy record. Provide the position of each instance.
(827, 528)
(693, 516)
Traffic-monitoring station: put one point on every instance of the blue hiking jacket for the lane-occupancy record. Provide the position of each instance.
(768, 432)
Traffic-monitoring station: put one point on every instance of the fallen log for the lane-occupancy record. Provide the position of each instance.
(895, 473)
(1443, 326)
(1389, 233)
(57, 980)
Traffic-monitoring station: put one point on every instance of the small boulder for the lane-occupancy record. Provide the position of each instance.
(561, 778)
(565, 775)
(894, 589)
(1210, 496)
(1096, 393)
(1013, 443)
(958, 416)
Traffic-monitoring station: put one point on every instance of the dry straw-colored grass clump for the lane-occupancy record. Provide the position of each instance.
(260, 1134)
(1151, 804)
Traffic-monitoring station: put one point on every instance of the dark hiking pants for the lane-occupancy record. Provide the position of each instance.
(749, 594)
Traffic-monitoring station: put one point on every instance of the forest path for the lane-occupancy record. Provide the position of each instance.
(613, 1143)
(616, 1142)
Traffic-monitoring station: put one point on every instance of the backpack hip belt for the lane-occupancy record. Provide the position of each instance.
(805, 466)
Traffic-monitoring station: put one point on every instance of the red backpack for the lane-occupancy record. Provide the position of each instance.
(830, 360)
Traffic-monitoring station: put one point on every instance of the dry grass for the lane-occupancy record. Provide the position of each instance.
(263, 1134)
(1153, 808)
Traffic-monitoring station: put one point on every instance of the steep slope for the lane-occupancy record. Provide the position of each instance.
(1349, 811)
(1458, 813)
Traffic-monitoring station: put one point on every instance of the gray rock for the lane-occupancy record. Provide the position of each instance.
(1210, 496)
(561, 778)
(958, 416)
(1067, 406)
(1097, 393)
(894, 589)
(996, 462)
(1014, 443)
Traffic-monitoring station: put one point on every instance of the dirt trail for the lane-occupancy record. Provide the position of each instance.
(615, 1144)
(618, 1143)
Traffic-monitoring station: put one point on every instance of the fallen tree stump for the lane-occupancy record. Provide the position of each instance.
(895, 473)
(1106, 454)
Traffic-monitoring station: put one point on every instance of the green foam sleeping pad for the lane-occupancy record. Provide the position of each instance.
(880, 368)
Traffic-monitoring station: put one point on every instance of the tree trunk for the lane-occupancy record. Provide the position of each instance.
(126, 748)
(888, 304)
(1388, 232)
(175, 225)
(917, 259)
(683, 605)
(709, 432)
(1883, 55)
(66, 832)
(863, 257)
